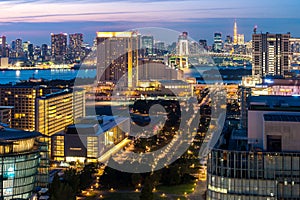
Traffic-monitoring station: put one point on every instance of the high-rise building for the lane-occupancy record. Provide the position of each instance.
(241, 39)
(57, 110)
(19, 48)
(183, 44)
(159, 48)
(23, 101)
(45, 52)
(75, 46)
(228, 39)
(147, 45)
(30, 52)
(3, 46)
(203, 44)
(117, 54)
(59, 47)
(20, 158)
(25, 46)
(218, 42)
(270, 54)
(40, 109)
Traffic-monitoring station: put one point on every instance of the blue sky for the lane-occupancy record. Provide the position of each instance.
(35, 19)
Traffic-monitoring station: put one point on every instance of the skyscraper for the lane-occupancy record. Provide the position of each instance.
(183, 44)
(218, 43)
(75, 46)
(19, 48)
(270, 54)
(116, 56)
(45, 53)
(3, 46)
(25, 46)
(159, 48)
(147, 45)
(59, 47)
(203, 43)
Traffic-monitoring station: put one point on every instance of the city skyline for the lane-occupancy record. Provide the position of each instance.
(35, 20)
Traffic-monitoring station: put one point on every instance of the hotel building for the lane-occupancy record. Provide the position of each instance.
(117, 55)
(42, 109)
(57, 110)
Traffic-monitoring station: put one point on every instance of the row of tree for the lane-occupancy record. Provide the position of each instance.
(66, 187)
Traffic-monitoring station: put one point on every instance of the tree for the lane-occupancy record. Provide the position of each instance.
(72, 178)
(147, 190)
(61, 190)
(136, 179)
(86, 175)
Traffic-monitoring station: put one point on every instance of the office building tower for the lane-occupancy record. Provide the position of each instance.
(218, 43)
(159, 48)
(36, 54)
(183, 44)
(203, 44)
(20, 157)
(75, 46)
(3, 46)
(241, 39)
(45, 52)
(147, 45)
(25, 47)
(19, 48)
(59, 47)
(30, 52)
(117, 55)
(228, 39)
(270, 54)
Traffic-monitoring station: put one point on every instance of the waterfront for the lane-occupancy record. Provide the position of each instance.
(7, 76)
(14, 76)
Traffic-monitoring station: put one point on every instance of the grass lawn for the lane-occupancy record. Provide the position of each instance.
(177, 189)
(127, 196)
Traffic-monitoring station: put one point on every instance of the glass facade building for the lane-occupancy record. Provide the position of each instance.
(253, 175)
(19, 161)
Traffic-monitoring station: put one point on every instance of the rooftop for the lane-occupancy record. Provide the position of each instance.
(282, 118)
(96, 124)
(272, 102)
(55, 94)
(8, 134)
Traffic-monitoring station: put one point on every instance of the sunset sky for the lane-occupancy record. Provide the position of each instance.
(35, 19)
